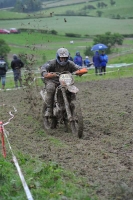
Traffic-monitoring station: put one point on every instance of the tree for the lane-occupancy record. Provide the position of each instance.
(4, 48)
(112, 2)
(109, 39)
(88, 51)
(99, 13)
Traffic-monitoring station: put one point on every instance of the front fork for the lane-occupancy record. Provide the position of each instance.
(67, 105)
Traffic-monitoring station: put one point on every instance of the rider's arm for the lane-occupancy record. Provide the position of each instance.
(46, 71)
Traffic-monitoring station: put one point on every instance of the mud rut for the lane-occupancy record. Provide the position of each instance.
(104, 155)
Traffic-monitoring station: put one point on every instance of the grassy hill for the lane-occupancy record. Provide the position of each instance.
(121, 9)
(73, 24)
(85, 26)
(75, 13)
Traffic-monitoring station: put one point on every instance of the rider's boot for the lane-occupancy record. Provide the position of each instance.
(49, 112)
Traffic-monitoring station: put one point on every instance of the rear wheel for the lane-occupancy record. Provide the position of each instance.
(48, 122)
(77, 123)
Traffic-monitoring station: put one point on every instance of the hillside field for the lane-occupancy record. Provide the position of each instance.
(90, 25)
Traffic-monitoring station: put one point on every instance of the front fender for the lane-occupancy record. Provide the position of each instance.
(72, 89)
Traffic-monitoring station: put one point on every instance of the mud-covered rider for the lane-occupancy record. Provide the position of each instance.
(51, 80)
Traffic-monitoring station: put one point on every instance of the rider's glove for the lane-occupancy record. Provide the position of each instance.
(50, 75)
(80, 72)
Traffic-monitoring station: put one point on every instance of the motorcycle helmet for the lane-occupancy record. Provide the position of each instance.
(62, 52)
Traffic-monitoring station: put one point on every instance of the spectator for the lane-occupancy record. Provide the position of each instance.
(16, 66)
(78, 59)
(3, 70)
(70, 58)
(96, 61)
(87, 61)
(103, 62)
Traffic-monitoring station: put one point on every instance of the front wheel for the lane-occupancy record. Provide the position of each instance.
(77, 122)
(48, 122)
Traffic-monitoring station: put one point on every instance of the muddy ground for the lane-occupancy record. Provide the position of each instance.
(105, 153)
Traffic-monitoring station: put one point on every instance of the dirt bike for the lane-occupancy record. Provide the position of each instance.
(64, 110)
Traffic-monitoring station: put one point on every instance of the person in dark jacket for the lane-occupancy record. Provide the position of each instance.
(51, 80)
(78, 59)
(103, 62)
(3, 70)
(16, 66)
(97, 62)
(70, 57)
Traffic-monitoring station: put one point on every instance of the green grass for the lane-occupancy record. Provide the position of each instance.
(122, 8)
(39, 44)
(90, 25)
(5, 14)
(45, 181)
(112, 73)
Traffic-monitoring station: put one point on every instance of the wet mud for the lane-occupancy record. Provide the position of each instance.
(104, 156)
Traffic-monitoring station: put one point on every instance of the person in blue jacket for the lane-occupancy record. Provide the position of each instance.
(86, 61)
(97, 63)
(103, 62)
(78, 59)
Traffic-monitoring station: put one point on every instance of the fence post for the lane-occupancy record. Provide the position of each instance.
(2, 139)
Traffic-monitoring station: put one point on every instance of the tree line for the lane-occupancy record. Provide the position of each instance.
(22, 5)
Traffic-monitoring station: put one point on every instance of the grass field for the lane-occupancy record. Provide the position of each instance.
(121, 7)
(90, 25)
(40, 44)
(112, 73)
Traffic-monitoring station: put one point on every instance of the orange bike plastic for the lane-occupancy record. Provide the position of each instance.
(50, 75)
(80, 72)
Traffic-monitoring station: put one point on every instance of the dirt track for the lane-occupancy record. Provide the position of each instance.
(104, 155)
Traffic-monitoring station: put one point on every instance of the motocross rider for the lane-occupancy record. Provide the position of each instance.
(51, 80)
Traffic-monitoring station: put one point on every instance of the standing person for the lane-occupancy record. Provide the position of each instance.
(16, 66)
(51, 80)
(104, 60)
(78, 59)
(3, 70)
(97, 62)
(86, 61)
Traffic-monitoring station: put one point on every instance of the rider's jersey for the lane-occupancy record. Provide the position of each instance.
(53, 66)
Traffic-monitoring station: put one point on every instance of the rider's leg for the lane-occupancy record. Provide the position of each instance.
(50, 88)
